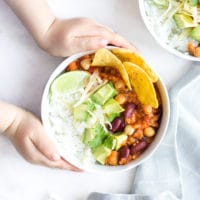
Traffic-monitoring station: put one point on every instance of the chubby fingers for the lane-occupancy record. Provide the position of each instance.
(44, 144)
(114, 38)
(118, 40)
(36, 156)
(46, 152)
(99, 39)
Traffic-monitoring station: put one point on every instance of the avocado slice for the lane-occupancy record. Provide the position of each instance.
(112, 109)
(183, 21)
(195, 34)
(103, 94)
(101, 153)
(110, 142)
(88, 135)
(120, 138)
(100, 136)
(81, 112)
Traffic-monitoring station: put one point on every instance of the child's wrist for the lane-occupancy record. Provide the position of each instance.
(44, 41)
(13, 125)
(10, 119)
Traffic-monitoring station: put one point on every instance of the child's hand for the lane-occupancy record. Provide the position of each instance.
(66, 37)
(30, 139)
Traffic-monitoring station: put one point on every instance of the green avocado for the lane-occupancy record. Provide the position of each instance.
(96, 136)
(110, 142)
(81, 112)
(101, 153)
(183, 21)
(88, 135)
(195, 34)
(103, 94)
(112, 109)
(120, 139)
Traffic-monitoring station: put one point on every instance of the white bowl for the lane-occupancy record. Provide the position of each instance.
(97, 167)
(156, 37)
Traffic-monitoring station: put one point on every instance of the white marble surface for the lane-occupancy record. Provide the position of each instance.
(24, 69)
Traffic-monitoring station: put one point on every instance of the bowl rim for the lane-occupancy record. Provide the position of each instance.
(159, 41)
(102, 168)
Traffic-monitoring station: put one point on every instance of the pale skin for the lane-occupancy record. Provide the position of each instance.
(59, 38)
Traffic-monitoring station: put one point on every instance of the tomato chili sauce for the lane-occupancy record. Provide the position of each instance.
(140, 122)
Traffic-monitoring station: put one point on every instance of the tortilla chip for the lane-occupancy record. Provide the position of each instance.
(142, 84)
(126, 55)
(104, 58)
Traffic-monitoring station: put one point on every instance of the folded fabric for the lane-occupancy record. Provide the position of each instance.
(173, 171)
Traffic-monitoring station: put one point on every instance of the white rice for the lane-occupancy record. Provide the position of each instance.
(66, 132)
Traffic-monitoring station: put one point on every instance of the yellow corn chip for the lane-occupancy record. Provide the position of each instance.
(105, 58)
(142, 84)
(126, 55)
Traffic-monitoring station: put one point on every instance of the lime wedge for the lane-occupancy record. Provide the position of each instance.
(69, 81)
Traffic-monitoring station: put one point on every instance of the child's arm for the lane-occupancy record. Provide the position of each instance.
(29, 137)
(63, 37)
(35, 15)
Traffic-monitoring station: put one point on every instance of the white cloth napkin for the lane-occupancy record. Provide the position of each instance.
(173, 172)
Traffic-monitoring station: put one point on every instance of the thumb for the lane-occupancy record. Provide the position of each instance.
(89, 42)
(45, 145)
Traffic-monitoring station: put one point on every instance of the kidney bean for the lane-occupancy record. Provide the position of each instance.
(142, 145)
(129, 110)
(124, 152)
(118, 124)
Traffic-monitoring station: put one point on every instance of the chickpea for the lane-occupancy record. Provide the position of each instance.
(129, 130)
(120, 98)
(119, 85)
(149, 132)
(147, 109)
(85, 64)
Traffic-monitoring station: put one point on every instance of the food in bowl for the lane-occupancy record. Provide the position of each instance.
(175, 23)
(105, 108)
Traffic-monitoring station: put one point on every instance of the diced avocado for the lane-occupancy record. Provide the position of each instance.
(81, 112)
(194, 2)
(100, 136)
(103, 94)
(101, 153)
(121, 138)
(161, 3)
(112, 109)
(195, 34)
(110, 142)
(183, 21)
(88, 135)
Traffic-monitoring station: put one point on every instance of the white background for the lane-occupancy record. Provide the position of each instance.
(24, 70)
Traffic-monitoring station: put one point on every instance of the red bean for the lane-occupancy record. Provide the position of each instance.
(118, 124)
(142, 145)
(124, 152)
(129, 110)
